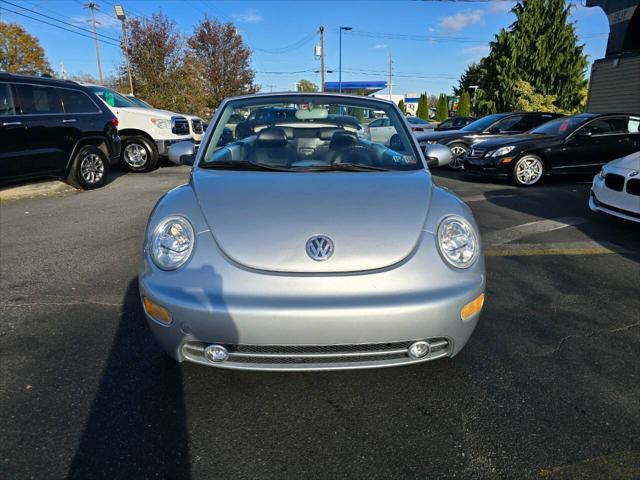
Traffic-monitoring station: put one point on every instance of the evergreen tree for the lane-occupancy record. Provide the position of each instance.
(541, 48)
(423, 107)
(464, 108)
(470, 77)
(402, 106)
(442, 108)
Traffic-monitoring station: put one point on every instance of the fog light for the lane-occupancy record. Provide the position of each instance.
(473, 307)
(419, 349)
(216, 353)
(157, 312)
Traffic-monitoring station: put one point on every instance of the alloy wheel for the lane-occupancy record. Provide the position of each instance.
(529, 170)
(135, 155)
(458, 152)
(92, 168)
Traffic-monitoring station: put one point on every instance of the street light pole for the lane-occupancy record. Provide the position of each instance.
(121, 16)
(340, 61)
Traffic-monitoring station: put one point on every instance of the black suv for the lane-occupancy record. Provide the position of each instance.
(497, 124)
(55, 128)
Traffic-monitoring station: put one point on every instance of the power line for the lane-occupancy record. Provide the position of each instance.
(58, 26)
(288, 48)
(57, 20)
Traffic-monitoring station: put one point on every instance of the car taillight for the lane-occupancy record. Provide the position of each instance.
(114, 122)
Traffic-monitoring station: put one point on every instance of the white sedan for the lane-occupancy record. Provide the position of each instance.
(616, 189)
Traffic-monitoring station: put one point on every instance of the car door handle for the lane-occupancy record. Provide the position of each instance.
(11, 124)
(69, 120)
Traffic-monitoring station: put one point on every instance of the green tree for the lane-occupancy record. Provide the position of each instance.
(423, 107)
(442, 108)
(541, 48)
(464, 107)
(20, 52)
(528, 100)
(470, 77)
(402, 106)
(306, 86)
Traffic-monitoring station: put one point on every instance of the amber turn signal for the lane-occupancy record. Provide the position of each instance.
(157, 312)
(506, 160)
(473, 307)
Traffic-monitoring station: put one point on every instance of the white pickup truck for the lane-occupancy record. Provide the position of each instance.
(146, 133)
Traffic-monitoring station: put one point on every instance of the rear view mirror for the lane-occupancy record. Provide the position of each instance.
(182, 153)
(437, 155)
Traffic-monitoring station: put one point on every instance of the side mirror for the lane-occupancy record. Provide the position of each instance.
(182, 153)
(437, 155)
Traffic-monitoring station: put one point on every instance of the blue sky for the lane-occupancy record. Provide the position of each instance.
(457, 32)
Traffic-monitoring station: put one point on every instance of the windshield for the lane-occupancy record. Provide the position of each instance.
(112, 98)
(416, 120)
(138, 102)
(483, 123)
(560, 126)
(309, 133)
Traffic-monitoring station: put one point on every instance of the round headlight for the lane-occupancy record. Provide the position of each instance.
(172, 243)
(458, 242)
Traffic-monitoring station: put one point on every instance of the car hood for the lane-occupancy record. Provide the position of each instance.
(501, 141)
(630, 162)
(439, 136)
(262, 220)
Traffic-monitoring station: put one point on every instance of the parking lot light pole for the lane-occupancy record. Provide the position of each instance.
(340, 62)
(121, 16)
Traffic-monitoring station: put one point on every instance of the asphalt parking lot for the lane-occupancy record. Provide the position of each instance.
(547, 387)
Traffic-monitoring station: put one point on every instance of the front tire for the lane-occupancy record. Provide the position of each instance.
(139, 154)
(89, 168)
(458, 151)
(528, 171)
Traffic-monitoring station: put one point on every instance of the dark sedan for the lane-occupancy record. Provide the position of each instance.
(497, 124)
(454, 123)
(578, 144)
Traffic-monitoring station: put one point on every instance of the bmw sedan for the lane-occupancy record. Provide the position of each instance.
(304, 246)
(616, 188)
(578, 144)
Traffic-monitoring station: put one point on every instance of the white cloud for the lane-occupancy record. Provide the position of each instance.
(102, 21)
(380, 45)
(477, 52)
(460, 20)
(501, 6)
(248, 16)
(431, 29)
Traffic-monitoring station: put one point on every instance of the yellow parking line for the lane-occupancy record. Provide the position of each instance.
(526, 252)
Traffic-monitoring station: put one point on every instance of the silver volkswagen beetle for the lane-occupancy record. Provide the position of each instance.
(303, 245)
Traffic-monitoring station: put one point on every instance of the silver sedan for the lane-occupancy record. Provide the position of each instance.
(304, 246)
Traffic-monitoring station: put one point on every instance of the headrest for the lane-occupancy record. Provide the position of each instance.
(315, 114)
(343, 138)
(271, 137)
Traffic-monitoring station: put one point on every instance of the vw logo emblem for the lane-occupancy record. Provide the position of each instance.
(319, 248)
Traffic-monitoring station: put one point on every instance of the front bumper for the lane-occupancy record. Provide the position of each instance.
(163, 145)
(115, 150)
(489, 167)
(308, 322)
(618, 204)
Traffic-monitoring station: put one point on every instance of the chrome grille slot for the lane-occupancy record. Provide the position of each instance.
(196, 125)
(476, 153)
(179, 126)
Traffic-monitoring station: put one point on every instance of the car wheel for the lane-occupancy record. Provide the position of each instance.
(528, 171)
(89, 168)
(458, 151)
(139, 154)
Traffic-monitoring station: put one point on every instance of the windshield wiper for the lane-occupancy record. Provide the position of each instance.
(242, 165)
(346, 167)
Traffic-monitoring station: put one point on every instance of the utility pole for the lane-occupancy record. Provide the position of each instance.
(121, 16)
(92, 6)
(63, 72)
(390, 84)
(322, 56)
